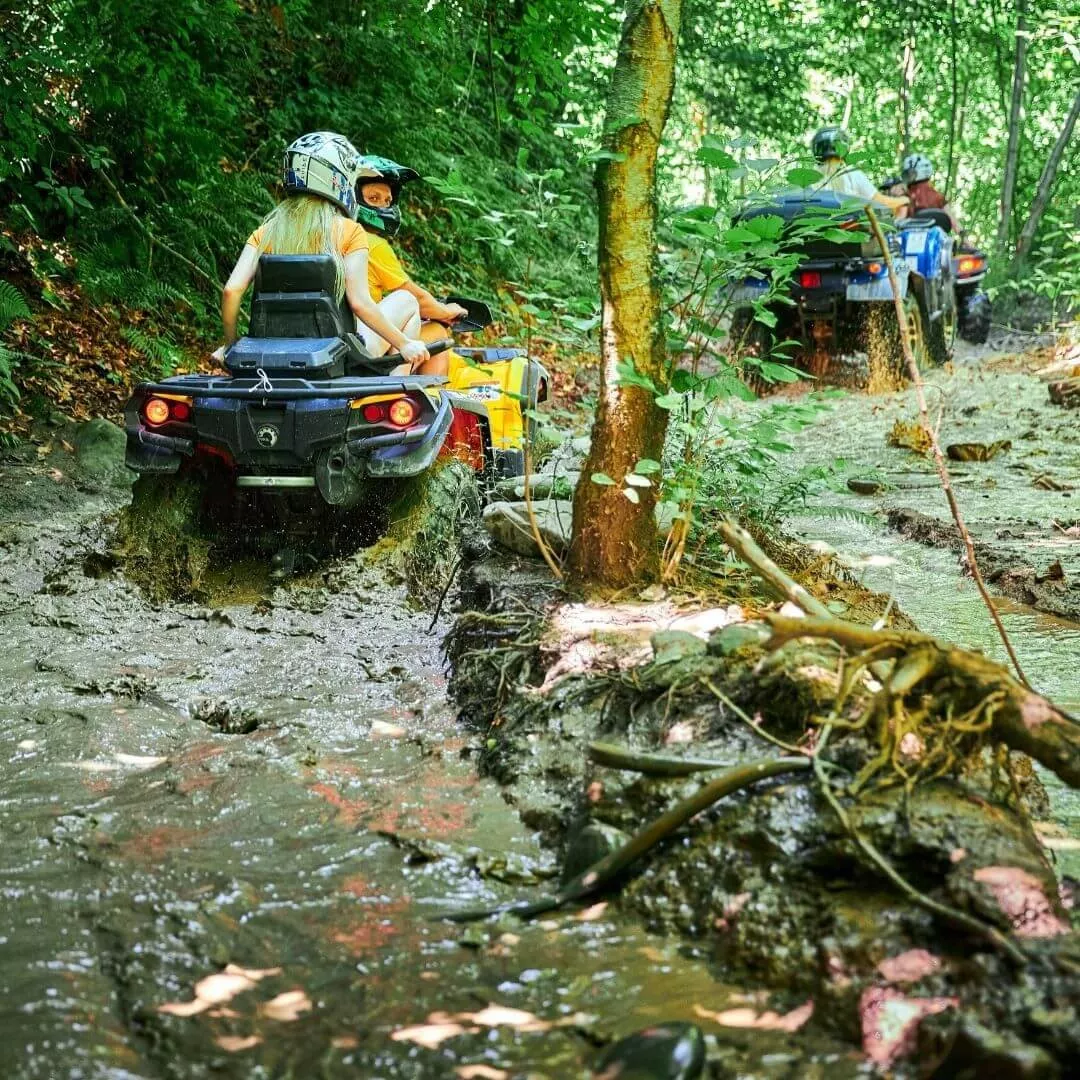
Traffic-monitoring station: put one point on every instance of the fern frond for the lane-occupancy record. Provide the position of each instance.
(841, 513)
(12, 305)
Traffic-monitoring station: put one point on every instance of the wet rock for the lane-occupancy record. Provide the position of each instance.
(862, 485)
(559, 485)
(730, 639)
(975, 451)
(594, 842)
(666, 1052)
(962, 1049)
(670, 645)
(99, 447)
(225, 716)
(922, 528)
(509, 525)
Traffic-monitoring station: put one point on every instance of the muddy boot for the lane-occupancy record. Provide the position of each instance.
(665, 1052)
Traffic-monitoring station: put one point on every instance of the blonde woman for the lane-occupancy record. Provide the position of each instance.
(317, 217)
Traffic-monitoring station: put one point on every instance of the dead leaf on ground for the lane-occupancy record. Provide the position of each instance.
(765, 1021)
(217, 990)
(286, 1007)
(431, 1036)
(233, 1044)
(592, 913)
(480, 1072)
(344, 1042)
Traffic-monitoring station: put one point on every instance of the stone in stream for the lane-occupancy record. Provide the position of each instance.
(674, 1051)
(976, 451)
(541, 486)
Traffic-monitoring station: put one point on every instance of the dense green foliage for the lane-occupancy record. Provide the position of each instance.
(143, 138)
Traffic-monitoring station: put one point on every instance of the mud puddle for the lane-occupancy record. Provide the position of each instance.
(146, 848)
(1014, 521)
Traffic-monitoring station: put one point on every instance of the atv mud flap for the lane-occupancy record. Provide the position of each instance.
(410, 458)
(878, 289)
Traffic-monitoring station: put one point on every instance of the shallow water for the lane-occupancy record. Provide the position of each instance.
(978, 402)
(143, 850)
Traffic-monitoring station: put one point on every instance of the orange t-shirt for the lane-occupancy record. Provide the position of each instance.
(349, 237)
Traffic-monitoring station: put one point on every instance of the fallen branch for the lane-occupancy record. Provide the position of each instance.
(1019, 717)
(935, 446)
(744, 545)
(609, 867)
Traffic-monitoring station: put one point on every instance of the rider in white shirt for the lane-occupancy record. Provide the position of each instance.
(829, 145)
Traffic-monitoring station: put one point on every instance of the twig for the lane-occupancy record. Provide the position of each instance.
(943, 911)
(935, 446)
(444, 593)
(743, 544)
(749, 722)
(609, 867)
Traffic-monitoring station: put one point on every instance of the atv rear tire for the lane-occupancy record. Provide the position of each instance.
(975, 314)
(939, 336)
(749, 338)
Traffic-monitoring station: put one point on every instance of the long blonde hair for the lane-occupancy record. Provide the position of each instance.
(305, 225)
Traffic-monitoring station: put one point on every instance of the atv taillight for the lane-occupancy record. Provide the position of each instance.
(810, 279)
(403, 412)
(969, 264)
(156, 411)
(160, 410)
(374, 413)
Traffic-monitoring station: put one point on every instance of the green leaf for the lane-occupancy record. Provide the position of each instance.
(632, 495)
(603, 155)
(716, 158)
(740, 235)
(602, 479)
(766, 317)
(669, 401)
(804, 177)
(765, 226)
(647, 467)
(630, 376)
(634, 480)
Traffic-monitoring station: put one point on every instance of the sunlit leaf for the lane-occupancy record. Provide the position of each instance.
(602, 479)
(632, 495)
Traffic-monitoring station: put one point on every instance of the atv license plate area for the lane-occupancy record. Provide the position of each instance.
(879, 289)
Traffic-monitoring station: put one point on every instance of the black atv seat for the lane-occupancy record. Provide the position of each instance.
(933, 216)
(295, 298)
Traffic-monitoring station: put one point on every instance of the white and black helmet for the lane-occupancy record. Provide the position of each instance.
(325, 164)
(916, 167)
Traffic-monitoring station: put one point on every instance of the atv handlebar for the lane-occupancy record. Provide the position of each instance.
(433, 348)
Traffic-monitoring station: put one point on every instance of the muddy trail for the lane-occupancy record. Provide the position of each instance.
(230, 828)
(274, 791)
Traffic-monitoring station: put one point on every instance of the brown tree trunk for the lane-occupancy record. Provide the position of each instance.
(615, 539)
(1046, 183)
(1012, 152)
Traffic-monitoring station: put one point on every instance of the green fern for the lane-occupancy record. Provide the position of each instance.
(842, 513)
(12, 305)
(161, 352)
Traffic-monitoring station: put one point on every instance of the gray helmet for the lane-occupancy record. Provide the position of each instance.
(325, 164)
(916, 167)
(829, 142)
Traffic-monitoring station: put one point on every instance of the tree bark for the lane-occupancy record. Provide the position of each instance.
(1012, 152)
(1046, 183)
(615, 539)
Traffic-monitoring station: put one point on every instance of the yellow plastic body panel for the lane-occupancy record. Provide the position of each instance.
(498, 385)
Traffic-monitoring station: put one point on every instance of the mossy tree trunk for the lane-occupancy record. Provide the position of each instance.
(615, 539)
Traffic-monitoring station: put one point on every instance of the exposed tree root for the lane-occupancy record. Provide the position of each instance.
(608, 868)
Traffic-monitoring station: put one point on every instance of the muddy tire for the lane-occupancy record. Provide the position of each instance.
(974, 317)
(749, 338)
(939, 335)
(163, 538)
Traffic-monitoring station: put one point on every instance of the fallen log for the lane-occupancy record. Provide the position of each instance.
(976, 688)
(1066, 392)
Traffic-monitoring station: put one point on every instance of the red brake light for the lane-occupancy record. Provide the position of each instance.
(810, 279)
(403, 412)
(156, 411)
(179, 410)
(374, 413)
(969, 265)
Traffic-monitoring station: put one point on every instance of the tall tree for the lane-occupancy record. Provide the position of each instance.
(1046, 183)
(615, 536)
(1012, 152)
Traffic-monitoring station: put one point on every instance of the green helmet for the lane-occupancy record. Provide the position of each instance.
(829, 142)
(384, 219)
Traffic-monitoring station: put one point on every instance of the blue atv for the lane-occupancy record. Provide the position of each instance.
(839, 299)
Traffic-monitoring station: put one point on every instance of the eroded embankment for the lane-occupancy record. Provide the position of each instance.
(786, 884)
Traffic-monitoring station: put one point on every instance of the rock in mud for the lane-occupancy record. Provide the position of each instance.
(558, 485)
(225, 716)
(594, 842)
(99, 447)
(666, 1052)
(669, 645)
(960, 1048)
(509, 525)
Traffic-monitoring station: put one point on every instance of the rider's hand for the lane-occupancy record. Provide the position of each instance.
(414, 353)
(452, 312)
